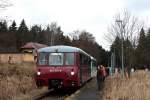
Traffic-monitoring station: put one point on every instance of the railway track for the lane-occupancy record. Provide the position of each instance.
(60, 94)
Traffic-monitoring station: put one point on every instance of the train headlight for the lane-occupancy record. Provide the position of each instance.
(72, 73)
(38, 73)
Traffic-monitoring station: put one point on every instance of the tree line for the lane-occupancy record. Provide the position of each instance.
(12, 38)
(137, 56)
(136, 42)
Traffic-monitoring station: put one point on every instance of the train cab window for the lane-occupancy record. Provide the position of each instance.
(42, 59)
(69, 59)
(56, 59)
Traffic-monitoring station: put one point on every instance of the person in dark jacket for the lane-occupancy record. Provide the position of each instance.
(101, 74)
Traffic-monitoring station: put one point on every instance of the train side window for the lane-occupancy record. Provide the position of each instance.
(69, 59)
(81, 59)
(89, 61)
(42, 59)
(85, 60)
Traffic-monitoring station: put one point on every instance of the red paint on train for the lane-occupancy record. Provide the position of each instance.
(65, 75)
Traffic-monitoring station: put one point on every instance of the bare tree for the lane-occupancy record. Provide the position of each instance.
(125, 26)
(75, 35)
(53, 28)
(86, 36)
(82, 35)
(4, 4)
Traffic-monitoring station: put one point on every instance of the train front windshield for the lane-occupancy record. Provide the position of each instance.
(56, 59)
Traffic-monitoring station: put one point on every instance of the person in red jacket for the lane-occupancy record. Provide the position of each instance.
(101, 74)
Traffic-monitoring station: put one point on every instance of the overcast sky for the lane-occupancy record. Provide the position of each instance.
(93, 16)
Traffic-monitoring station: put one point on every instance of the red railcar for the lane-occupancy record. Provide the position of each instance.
(63, 66)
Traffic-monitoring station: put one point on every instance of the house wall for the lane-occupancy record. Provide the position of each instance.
(16, 58)
(28, 57)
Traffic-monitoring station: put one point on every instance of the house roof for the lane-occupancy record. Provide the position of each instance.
(33, 45)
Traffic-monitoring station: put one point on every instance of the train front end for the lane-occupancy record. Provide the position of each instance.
(57, 70)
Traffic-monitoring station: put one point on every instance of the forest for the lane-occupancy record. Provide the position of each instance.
(136, 53)
(12, 38)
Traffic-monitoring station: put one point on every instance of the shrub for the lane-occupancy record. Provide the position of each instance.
(135, 88)
(15, 80)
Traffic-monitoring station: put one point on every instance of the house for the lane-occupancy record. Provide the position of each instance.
(29, 51)
(30, 47)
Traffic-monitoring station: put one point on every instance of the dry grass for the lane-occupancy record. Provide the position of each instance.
(135, 88)
(16, 80)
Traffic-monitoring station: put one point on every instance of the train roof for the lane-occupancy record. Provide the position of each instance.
(62, 48)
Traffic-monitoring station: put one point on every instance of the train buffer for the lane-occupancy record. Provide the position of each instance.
(88, 92)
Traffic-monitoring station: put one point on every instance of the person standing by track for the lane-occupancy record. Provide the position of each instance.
(101, 74)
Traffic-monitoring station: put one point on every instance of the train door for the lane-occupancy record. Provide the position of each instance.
(84, 67)
(93, 68)
(81, 68)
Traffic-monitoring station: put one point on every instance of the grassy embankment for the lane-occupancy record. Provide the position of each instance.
(16, 81)
(135, 88)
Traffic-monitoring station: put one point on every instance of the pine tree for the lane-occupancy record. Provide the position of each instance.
(147, 49)
(3, 26)
(34, 33)
(116, 49)
(23, 27)
(141, 49)
(13, 27)
(148, 38)
(22, 34)
(128, 53)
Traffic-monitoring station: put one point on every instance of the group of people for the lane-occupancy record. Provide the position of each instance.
(102, 72)
(101, 75)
